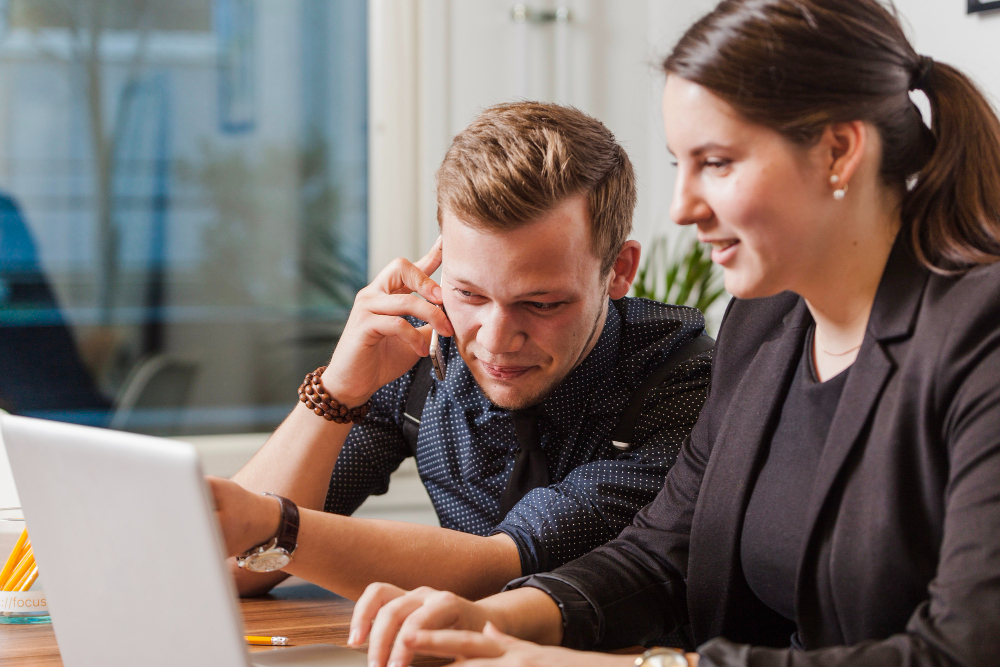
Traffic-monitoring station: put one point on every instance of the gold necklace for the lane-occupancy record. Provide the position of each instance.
(836, 354)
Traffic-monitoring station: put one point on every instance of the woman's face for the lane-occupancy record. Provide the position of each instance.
(762, 202)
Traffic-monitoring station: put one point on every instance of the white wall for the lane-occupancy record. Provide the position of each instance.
(971, 42)
(470, 54)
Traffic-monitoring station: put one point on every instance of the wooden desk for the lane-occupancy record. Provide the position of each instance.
(304, 613)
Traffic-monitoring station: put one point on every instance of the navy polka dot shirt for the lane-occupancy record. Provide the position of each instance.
(466, 445)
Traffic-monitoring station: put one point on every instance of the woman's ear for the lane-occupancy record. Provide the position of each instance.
(844, 146)
(623, 272)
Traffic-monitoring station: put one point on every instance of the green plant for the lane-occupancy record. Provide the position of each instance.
(682, 275)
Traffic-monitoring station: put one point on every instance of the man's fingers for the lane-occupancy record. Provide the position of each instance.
(403, 276)
(455, 644)
(408, 304)
(374, 598)
(214, 489)
(397, 327)
(430, 262)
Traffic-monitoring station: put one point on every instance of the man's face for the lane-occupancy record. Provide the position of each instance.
(527, 305)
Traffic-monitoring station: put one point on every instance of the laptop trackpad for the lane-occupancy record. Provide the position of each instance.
(311, 655)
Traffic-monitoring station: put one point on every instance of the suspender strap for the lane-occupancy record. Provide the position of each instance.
(423, 378)
(623, 436)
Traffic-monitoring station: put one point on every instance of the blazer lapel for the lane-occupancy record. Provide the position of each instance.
(742, 438)
(893, 315)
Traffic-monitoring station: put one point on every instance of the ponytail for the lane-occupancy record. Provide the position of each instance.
(953, 211)
(796, 66)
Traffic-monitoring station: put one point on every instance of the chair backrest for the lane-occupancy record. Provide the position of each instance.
(157, 382)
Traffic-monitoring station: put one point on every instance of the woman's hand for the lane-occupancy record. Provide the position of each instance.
(492, 648)
(389, 617)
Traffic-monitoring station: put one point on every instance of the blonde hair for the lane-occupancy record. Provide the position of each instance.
(518, 161)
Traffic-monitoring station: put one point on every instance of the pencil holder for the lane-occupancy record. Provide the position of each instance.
(22, 599)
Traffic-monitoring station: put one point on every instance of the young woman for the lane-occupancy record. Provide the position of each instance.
(839, 499)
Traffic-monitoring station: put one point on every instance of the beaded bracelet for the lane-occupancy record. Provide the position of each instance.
(316, 398)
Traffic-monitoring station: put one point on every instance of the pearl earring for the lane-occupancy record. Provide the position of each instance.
(839, 193)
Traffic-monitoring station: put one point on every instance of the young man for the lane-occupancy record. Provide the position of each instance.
(543, 353)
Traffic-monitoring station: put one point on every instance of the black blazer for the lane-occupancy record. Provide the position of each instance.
(901, 565)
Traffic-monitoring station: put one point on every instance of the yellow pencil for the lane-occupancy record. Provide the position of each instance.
(266, 641)
(14, 558)
(26, 563)
(16, 585)
(28, 580)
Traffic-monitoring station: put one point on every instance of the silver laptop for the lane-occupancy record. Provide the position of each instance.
(126, 540)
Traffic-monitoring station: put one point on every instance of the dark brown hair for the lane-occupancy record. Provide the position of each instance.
(518, 161)
(798, 65)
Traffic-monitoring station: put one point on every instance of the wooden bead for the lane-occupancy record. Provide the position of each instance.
(315, 397)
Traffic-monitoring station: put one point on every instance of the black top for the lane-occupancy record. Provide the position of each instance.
(900, 564)
(775, 523)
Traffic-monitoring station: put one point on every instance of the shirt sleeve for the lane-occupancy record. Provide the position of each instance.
(597, 500)
(373, 450)
(632, 590)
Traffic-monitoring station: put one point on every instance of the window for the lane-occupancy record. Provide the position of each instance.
(183, 206)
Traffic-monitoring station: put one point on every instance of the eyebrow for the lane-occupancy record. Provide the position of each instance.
(475, 288)
(700, 150)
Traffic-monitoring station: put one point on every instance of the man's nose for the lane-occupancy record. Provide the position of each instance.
(500, 331)
(688, 206)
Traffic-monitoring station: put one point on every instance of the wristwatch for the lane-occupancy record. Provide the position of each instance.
(277, 552)
(660, 656)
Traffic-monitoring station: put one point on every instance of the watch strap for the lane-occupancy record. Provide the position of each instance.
(287, 537)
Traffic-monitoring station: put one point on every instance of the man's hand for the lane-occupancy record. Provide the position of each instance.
(391, 616)
(246, 518)
(377, 345)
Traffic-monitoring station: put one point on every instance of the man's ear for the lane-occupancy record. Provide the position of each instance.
(623, 272)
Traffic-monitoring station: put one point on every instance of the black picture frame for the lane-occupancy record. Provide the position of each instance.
(983, 6)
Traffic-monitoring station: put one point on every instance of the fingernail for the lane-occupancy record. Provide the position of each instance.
(438, 293)
(373, 663)
(354, 638)
(396, 663)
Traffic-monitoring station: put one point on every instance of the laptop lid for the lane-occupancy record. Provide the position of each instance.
(127, 547)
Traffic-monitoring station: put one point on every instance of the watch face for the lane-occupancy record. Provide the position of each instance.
(667, 660)
(268, 561)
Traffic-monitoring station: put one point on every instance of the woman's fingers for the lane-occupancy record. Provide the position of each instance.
(374, 598)
(494, 632)
(439, 610)
(388, 620)
(464, 644)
